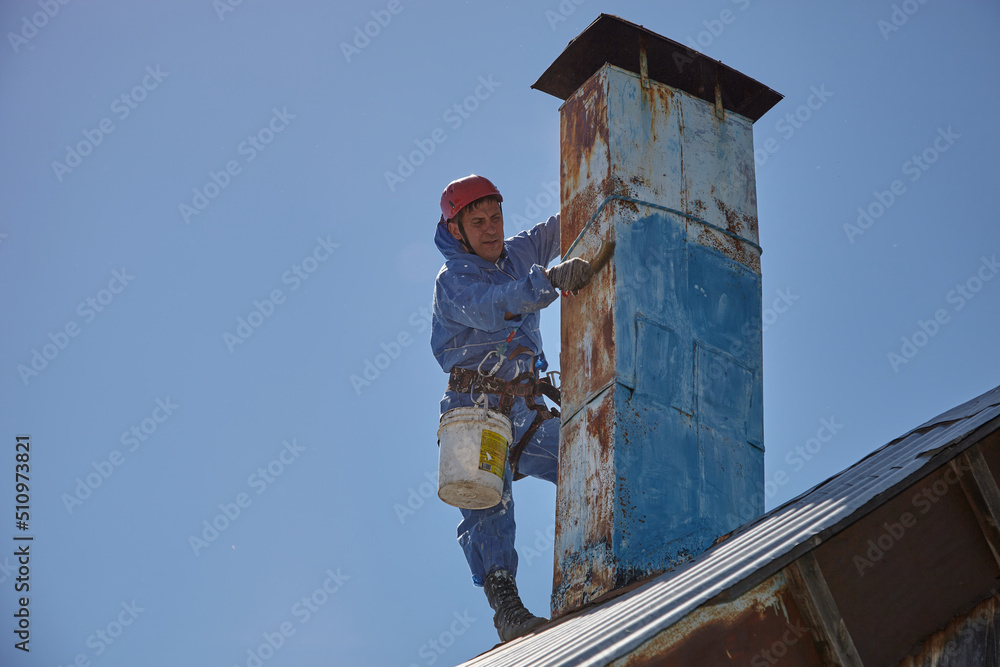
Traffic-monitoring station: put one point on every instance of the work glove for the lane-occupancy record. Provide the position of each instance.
(571, 275)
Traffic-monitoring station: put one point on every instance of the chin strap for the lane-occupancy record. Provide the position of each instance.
(461, 230)
(465, 239)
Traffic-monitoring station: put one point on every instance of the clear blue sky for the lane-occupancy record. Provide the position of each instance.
(136, 284)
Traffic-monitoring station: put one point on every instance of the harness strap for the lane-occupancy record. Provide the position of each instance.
(464, 380)
(542, 413)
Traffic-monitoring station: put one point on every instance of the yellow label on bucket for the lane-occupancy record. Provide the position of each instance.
(493, 453)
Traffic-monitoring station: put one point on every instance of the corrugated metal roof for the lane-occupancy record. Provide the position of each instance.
(604, 633)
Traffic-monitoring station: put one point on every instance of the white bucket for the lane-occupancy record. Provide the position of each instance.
(473, 448)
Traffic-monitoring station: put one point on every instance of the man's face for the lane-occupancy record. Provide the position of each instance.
(484, 229)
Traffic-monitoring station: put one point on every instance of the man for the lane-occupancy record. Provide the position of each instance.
(487, 299)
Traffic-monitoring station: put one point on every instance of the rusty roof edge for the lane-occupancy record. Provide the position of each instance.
(736, 565)
(944, 419)
(984, 401)
(776, 563)
(953, 448)
(927, 427)
(636, 631)
(576, 63)
(930, 465)
(537, 85)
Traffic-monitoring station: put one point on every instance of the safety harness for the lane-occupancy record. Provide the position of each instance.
(526, 385)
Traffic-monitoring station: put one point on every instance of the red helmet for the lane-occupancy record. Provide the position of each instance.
(463, 192)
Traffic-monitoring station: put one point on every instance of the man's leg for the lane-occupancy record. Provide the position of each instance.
(487, 536)
(540, 457)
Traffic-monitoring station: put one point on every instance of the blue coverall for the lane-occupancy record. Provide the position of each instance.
(471, 297)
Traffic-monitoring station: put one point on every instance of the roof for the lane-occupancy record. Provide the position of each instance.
(610, 39)
(757, 550)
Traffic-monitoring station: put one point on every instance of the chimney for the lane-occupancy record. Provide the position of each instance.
(662, 417)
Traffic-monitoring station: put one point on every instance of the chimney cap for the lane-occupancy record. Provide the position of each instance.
(610, 39)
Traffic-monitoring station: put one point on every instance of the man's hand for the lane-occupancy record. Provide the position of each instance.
(571, 275)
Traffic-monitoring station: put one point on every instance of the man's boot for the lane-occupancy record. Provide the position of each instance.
(511, 619)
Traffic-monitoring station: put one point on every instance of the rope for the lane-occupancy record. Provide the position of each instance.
(667, 209)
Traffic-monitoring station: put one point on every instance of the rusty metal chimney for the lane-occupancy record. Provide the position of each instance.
(662, 436)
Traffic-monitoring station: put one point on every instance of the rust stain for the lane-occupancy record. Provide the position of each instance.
(599, 483)
(937, 569)
(585, 508)
(762, 627)
(732, 217)
(583, 579)
(607, 324)
(659, 99)
(740, 224)
(587, 334)
(734, 249)
(960, 637)
(619, 187)
(577, 209)
(583, 134)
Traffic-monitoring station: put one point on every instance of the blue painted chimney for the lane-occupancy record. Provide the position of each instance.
(662, 435)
